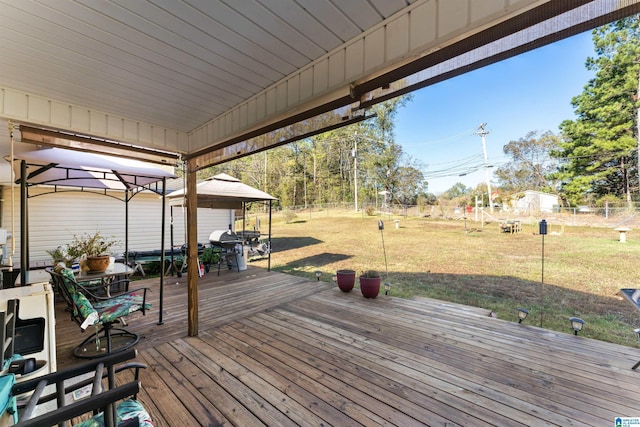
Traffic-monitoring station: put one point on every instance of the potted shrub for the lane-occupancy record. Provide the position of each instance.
(370, 283)
(209, 257)
(346, 279)
(95, 248)
(67, 254)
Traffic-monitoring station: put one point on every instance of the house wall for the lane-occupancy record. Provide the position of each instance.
(547, 201)
(535, 201)
(54, 219)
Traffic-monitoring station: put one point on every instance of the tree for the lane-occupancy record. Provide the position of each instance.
(384, 155)
(457, 190)
(411, 184)
(321, 169)
(600, 147)
(531, 163)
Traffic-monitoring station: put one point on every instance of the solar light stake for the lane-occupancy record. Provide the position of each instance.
(464, 213)
(543, 231)
(381, 228)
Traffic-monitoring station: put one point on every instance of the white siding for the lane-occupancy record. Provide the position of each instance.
(535, 201)
(55, 218)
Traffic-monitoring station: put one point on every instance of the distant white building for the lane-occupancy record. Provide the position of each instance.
(535, 201)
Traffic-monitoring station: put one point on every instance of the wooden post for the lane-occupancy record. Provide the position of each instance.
(192, 248)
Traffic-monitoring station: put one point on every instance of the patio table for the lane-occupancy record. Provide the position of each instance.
(116, 271)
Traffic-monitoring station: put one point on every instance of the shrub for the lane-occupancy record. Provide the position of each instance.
(612, 201)
(92, 245)
(370, 210)
(209, 256)
(370, 274)
(289, 215)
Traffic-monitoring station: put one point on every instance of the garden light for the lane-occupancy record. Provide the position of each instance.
(522, 314)
(387, 288)
(577, 324)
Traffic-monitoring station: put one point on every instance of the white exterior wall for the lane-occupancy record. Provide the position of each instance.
(536, 201)
(55, 218)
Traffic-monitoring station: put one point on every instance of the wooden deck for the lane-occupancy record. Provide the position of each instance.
(275, 350)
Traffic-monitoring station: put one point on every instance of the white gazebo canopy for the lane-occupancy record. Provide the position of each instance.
(70, 168)
(59, 167)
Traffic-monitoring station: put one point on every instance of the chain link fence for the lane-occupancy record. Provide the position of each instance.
(575, 216)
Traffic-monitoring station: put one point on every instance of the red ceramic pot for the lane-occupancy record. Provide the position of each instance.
(346, 279)
(369, 286)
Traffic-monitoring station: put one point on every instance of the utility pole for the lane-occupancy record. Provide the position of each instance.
(355, 170)
(482, 132)
(304, 176)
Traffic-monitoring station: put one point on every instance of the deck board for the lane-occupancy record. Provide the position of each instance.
(275, 349)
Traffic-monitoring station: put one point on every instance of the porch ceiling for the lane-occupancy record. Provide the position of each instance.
(195, 76)
(171, 63)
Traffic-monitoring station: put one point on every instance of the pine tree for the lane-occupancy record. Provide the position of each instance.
(600, 147)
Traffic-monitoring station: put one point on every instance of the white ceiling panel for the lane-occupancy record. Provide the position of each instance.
(304, 23)
(173, 63)
(362, 13)
(279, 28)
(389, 7)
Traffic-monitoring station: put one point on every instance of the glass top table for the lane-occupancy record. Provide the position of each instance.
(115, 270)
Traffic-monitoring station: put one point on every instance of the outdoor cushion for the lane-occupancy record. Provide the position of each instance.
(115, 307)
(81, 303)
(101, 311)
(7, 401)
(86, 310)
(126, 410)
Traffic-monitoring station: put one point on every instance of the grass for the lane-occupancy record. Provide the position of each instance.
(584, 267)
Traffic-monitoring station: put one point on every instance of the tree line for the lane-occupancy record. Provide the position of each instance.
(356, 162)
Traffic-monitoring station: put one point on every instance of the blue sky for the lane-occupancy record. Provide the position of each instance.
(526, 93)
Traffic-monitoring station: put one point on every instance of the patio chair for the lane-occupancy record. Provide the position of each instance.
(88, 309)
(96, 395)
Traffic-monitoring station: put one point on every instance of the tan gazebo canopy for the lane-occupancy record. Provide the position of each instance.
(223, 191)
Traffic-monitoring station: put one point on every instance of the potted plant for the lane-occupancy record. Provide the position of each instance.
(346, 279)
(209, 257)
(67, 254)
(370, 283)
(95, 248)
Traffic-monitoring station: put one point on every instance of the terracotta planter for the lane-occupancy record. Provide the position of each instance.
(98, 264)
(346, 279)
(369, 286)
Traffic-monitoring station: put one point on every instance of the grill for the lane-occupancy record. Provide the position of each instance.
(225, 239)
(231, 245)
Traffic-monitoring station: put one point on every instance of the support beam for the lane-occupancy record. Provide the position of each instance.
(162, 246)
(53, 138)
(192, 249)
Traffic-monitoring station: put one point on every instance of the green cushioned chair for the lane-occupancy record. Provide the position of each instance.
(88, 309)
